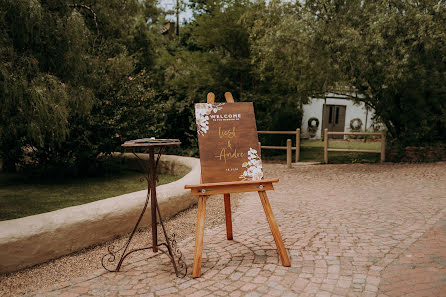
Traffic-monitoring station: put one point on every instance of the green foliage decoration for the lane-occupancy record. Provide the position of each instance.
(356, 124)
(313, 125)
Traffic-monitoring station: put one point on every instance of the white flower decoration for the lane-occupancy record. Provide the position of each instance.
(202, 112)
(253, 168)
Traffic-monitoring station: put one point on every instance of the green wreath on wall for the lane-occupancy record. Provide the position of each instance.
(356, 124)
(313, 125)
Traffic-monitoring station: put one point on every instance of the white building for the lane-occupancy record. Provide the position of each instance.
(337, 113)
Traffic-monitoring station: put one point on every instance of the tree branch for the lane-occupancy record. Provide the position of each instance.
(77, 5)
(290, 39)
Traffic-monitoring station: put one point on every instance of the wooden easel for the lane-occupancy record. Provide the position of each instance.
(204, 190)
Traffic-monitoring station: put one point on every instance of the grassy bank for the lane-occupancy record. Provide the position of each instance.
(21, 196)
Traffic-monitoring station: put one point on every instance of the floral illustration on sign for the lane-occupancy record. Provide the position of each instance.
(202, 112)
(253, 168)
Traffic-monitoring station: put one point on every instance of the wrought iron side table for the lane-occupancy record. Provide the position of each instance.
(149, 144)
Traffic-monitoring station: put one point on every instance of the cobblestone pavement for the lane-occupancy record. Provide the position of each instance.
(350, 230)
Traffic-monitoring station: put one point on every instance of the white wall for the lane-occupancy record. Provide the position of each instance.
(314, 109)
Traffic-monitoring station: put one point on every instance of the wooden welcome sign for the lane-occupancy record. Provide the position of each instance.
(230, 163)
(228, 142)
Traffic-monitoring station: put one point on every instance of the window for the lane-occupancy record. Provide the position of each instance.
(337, 116)
(330, 115)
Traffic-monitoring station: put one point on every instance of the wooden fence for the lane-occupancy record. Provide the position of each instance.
(381, 134)
(288, 146)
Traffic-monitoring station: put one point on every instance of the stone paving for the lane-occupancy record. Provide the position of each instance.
(350, 230)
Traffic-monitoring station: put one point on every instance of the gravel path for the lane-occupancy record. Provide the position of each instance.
(350, 230)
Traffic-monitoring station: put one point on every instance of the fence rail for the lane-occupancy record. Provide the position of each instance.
(356, 133)
(381, 134)
(278, 132)
(288, 146)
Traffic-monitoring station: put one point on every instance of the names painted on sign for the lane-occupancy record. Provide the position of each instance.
(228, 142)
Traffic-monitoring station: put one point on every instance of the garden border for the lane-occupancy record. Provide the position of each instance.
(39, 238)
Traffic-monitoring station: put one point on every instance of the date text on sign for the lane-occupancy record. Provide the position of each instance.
(228, 142)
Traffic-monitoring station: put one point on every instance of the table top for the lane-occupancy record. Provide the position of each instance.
(150, 142)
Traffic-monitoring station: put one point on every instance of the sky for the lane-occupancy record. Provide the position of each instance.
(171, 5)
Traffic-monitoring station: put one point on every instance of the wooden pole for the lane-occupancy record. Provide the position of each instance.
(229, 98)
(297, 144)
(199, 234)
(178, 18)
(210, 97)
(326, 145)
(260, 149)
(288, 153)
(274, 229)
(228, 216)
(383, 146)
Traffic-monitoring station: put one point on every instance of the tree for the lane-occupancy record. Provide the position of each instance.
(214, 53)
(389, 52)
(62, 66)
(35, 97)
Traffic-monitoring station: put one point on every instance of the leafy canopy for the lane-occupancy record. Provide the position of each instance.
(392, 53)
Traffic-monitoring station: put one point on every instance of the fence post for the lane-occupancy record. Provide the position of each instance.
(297, 144)
(326, 145)
(260, 149)
(383, 146)
(288, 153)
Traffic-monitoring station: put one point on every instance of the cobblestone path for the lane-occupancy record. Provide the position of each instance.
(350, 230)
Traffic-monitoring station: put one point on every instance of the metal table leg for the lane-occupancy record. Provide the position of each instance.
(172, 249)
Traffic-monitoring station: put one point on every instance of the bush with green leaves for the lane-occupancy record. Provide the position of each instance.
(79, 78)
(391, 53)
(73, 82)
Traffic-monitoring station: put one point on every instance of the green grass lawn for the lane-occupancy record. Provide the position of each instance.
(313, 151)
(20, 196)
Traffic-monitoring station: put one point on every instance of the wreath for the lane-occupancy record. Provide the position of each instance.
(313, 125)
(355, 124)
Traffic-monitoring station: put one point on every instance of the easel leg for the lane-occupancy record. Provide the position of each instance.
(198, 251)
(274, 229)
(228, 216)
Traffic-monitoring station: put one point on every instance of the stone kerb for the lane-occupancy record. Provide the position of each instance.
(36, 239)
